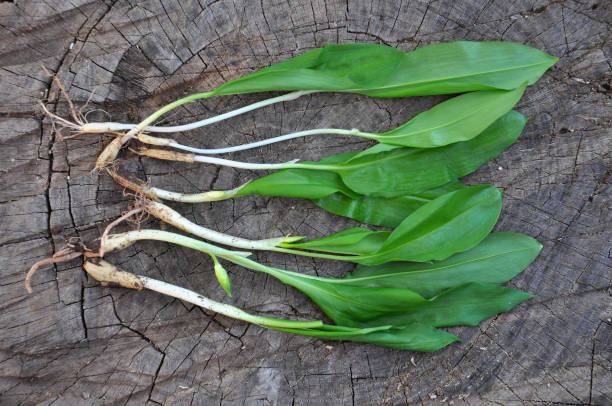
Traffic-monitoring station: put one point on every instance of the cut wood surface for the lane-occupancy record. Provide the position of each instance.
(75, 342)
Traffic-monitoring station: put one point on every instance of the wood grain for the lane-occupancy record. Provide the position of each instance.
(75, 342)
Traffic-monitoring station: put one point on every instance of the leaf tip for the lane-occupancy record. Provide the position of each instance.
(291, 239)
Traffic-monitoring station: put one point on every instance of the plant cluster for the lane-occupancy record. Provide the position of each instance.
(437, 265)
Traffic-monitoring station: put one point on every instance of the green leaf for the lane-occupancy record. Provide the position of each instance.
(402, 171)
(382, 71)
(382, 211)
(451, 223)
(458, 119)
(355, 306)
(415, 336)
(304, 183)
(327, 190)
(464, 305)
(374, 172)
(349, 305)
(497, 259)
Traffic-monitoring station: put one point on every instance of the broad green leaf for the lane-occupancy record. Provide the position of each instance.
(382, 71)
(379, 166)
(327, 190)
(451, 223)
(354, 306)
(415, 336)
(351, 241)
(403, 171)
(464, 305)
(304, 183)
(377, 174)
(497, 259)
(382, 211)
(458, 119)
(349, 305)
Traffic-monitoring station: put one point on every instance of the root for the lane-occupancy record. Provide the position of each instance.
(64, 255)
(75, 248)
(65, 93)
(55, 119)
(78, 116)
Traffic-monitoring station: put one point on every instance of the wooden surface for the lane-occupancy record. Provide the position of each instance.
(74, 342)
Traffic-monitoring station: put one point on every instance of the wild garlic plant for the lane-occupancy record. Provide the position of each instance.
(414, 336)
(451, 223)
(368, 69)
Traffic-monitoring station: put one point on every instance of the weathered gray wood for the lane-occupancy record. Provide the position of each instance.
(74, 342)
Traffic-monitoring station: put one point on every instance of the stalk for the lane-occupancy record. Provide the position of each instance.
(111, 151)
(108, 274)
(172, 217)
(139, 187)
(118, 242)
(210, 196)
(144, 125)
(273, 140)
(191, 158)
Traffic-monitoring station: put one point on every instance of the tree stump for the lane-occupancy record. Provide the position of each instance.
(75, 342)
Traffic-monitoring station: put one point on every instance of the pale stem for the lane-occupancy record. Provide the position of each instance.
(111, 126)
(111, 151)
(221, 308)
(142, 188)
(269, 141)
(107, 273)
(118, 242)
(244, 165)
(191, 297)
(170, 216)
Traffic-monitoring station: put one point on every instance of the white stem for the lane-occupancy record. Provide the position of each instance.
(105, 127)
(243, 165)
(270, 140)
(172, 217)
(109, 274)
(222, 308)
(118, 242)
(194, 298)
